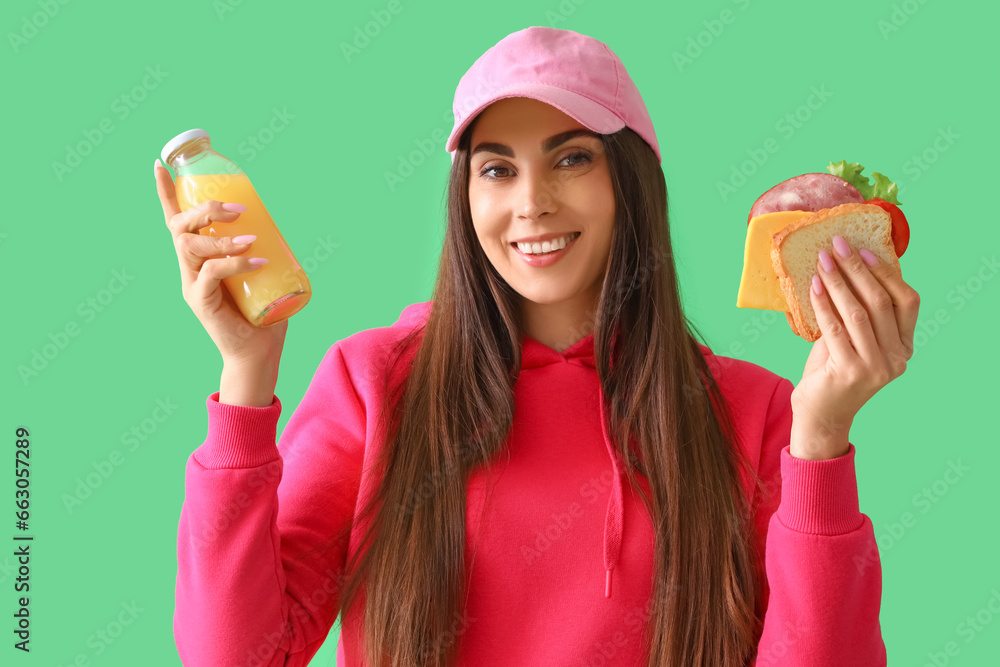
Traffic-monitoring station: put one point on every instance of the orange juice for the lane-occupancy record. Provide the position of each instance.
(270, 293)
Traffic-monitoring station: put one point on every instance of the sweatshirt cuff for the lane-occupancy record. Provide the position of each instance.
(239, 436)
(819, 497)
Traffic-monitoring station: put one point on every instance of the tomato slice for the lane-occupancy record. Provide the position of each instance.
(900, 228)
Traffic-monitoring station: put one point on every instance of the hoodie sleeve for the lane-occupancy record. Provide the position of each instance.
(258, 566)
(824, 578)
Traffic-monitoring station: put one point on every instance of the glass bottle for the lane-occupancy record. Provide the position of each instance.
(265, 295)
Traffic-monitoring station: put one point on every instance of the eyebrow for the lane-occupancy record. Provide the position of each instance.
(547, 145)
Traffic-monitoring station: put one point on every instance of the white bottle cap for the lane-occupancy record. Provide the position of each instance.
(179, 141)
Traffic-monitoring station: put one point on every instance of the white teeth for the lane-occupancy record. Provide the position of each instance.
(546, 246)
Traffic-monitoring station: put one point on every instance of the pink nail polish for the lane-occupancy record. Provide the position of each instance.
(817, 285)
(826, 261)
(236, 208)
(841, 246)
(870, 259)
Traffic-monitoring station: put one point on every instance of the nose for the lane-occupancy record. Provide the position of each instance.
(536, 195)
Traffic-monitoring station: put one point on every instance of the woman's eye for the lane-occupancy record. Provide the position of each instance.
(586, 158)
(488, 170)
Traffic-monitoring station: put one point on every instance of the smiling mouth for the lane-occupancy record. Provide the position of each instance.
(573, 236)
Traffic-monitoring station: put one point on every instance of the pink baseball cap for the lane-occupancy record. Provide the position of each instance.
(576, 74)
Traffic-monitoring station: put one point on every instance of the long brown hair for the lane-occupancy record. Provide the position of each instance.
(455, 406)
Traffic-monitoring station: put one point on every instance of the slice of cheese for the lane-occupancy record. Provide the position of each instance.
(759, 286)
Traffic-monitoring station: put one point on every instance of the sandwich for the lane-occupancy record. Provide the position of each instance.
(789, 224)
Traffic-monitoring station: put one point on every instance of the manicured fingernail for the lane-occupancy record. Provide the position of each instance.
(826, 260)
(155, 165)
(245, 238)
(257, 261)
(236, 208)
(841, 246)
(817, 285)
(870, 259)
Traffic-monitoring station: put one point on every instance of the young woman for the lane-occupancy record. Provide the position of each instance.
(540, 465)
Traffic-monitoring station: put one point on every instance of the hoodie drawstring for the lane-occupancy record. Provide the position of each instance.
(614, 519)
(534, 355)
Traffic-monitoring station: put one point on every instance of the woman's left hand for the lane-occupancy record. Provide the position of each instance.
(867, 316)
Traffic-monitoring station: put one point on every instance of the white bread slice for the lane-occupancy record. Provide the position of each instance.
(794, 254)
(791, 322)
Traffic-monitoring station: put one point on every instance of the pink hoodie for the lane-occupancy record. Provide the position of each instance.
(557, 576)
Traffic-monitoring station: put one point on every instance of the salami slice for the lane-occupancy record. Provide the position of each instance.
(808, 192)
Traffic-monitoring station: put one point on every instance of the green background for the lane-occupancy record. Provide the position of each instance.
(898, 76)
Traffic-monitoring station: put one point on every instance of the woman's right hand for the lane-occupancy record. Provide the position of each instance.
(203, 264)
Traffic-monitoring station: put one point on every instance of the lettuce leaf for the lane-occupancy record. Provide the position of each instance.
(883, 188)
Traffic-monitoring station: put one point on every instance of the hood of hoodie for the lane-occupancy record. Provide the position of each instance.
(535, 354)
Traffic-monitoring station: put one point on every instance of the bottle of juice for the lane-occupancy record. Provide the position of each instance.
(266, 295)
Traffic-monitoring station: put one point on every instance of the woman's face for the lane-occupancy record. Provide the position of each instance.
(526, 180)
